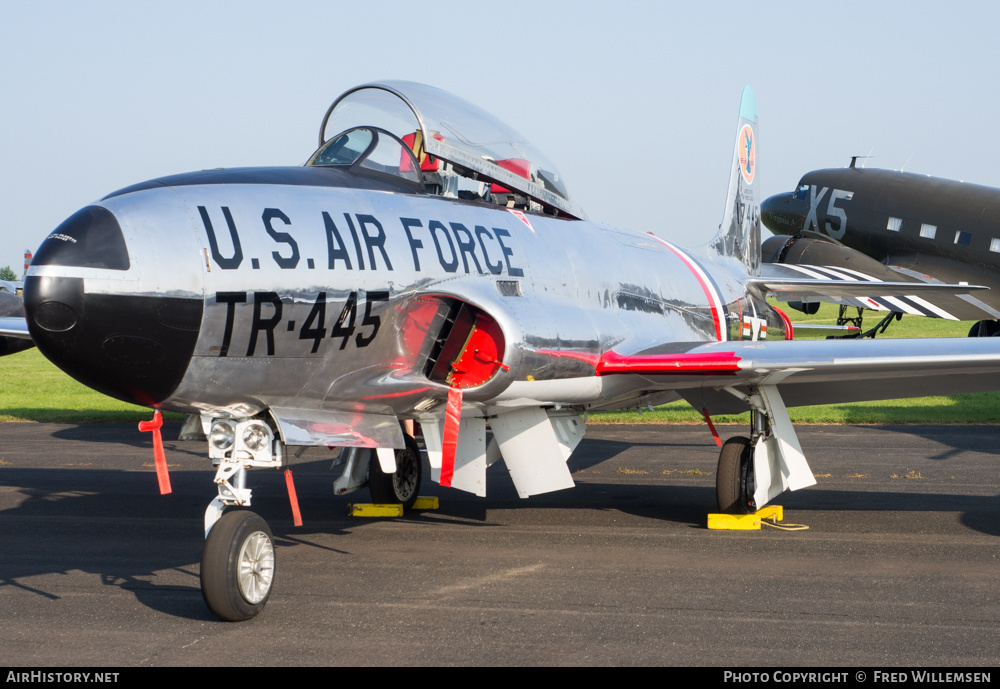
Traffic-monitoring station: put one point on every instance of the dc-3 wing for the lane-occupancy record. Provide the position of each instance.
(808, 283)
(810, 267)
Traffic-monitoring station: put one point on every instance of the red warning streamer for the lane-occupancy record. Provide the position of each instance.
(449, 444)
(293, 498)
(711, 427)
(159, 458)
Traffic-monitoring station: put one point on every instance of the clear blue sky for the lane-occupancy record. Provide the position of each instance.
(635, 102)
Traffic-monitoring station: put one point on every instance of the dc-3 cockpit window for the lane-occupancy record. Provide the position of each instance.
(454, 148)
(802, 192)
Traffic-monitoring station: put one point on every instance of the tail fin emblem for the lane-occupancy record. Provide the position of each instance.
(748, 153)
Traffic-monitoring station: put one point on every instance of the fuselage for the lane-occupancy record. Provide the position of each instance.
(231, 291)
(943, 228)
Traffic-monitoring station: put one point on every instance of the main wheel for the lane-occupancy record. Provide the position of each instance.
(985, 329)
(734, 481)
(401, 486)
(237, 566)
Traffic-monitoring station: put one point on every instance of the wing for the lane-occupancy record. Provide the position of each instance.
(14, 327)
(14, 336)
(819, 371)
(768, 377)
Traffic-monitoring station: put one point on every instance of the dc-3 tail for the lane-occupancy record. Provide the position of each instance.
(738, 238)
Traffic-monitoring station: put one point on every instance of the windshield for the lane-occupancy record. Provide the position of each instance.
(501, 164)
(372, 149)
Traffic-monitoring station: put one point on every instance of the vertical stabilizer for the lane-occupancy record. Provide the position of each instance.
(739, 233)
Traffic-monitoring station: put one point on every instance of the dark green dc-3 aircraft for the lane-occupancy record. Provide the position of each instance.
(907, 226)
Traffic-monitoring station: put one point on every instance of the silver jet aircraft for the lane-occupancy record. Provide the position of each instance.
(428, 264)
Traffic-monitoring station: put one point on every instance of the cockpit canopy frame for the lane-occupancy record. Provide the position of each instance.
(439, 125)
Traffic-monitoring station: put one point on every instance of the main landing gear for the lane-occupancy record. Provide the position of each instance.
(845, 318)
(753, 471)
(985, 329)
(734, 480)
(238, 559)
(401, 486)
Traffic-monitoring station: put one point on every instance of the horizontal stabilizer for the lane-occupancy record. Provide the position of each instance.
(820, 326)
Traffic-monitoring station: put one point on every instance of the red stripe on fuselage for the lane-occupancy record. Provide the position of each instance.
(692, 266)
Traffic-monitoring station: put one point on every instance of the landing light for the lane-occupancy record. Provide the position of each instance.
(256, 436)
(223, 435)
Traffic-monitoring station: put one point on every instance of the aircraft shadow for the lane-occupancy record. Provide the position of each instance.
(113, 523)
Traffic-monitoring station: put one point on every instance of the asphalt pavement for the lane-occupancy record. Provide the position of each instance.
(898, 567)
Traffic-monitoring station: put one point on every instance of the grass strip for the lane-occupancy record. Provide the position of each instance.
(32, 389)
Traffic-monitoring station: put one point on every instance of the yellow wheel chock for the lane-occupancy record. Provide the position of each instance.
(370, 510)
(745, 522)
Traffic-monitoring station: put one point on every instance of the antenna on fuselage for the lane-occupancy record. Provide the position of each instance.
(854, 160)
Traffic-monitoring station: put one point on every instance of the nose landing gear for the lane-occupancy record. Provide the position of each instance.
(237, 565)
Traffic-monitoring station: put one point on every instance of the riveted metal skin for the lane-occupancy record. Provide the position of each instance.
(343, 292)
(233, 324)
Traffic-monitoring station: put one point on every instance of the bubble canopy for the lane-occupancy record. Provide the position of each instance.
(442, 126)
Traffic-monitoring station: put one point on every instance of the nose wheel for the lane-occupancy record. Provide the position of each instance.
(237, 565)
(734, 480)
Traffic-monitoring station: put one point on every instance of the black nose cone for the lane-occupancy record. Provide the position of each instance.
(133, 347)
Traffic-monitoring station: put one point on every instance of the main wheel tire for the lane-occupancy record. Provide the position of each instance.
(401, 486)
(734, 481)
(985, 329)
(237, 566)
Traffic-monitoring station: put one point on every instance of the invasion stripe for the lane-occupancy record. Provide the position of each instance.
(900, 304)
(805, 271)
(858, 273)
(931, 307)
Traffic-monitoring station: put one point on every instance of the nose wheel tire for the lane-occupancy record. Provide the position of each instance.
(403, 485)
(734, 480)
(237, 566)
